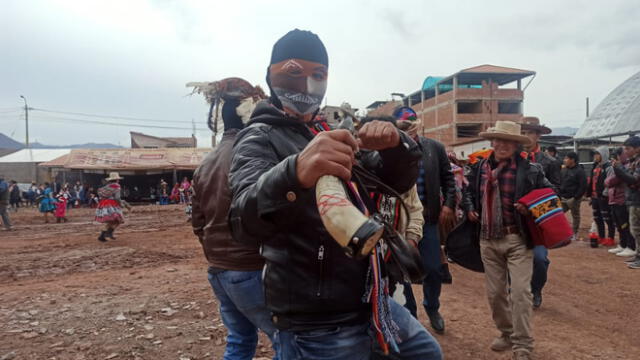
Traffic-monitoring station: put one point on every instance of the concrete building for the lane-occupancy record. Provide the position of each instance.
(455, 108)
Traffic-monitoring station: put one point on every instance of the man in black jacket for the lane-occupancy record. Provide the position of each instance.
(572, 188)
(313, 289)
(532, 129)
(495, 185)
(437, 191)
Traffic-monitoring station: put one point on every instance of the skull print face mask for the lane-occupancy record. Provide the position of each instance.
(300, 86)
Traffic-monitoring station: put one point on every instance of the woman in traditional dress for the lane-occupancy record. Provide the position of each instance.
(175, 194)
(47, 202)
(61, 207)
(109, 211)
(185, 187)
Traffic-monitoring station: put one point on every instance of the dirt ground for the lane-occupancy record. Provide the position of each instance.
(64, 295)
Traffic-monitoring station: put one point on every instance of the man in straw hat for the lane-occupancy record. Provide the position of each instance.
(552, 168)
(495, 184)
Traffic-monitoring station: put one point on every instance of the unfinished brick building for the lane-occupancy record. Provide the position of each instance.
(454, 109)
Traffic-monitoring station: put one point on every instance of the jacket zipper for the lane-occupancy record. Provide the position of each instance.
(321, 267)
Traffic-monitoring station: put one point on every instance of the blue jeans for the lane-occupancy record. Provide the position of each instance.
(243, 311)
(430, 253)
(357, 342)
(540, 267)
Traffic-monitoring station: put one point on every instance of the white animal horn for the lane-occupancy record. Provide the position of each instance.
(356, 233)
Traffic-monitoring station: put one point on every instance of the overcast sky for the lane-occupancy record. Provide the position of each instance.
(133, 58)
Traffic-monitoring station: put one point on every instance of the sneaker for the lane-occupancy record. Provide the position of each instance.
(635, 264)
(616, 250)
(632, 259)
(521, 355)
(502, 343)
(608, 242)
(537, 300)
(626, 252)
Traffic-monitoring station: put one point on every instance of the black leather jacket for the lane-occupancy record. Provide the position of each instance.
(528, 177)
(551, 166)
(309, 282)
(438, 179)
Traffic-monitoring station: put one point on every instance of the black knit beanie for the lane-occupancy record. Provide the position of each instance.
(297, 44)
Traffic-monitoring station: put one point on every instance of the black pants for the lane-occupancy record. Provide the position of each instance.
(621, 219)
(601, 215)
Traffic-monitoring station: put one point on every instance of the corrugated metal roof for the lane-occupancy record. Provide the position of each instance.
(617, 114)
(488, 68)
(34, 155)
(57, 162)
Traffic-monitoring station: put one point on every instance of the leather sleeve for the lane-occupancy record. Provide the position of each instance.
(262, 187)
(469, 193)
(447, 180)
(197, 216)
(398, 166)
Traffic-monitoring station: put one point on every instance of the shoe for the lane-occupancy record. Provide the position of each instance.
(521, 355)
(537, 300)
(626, 252)
(102, 237)
(635, 264)
(616, 249)
(632, 259)
(437, 322)
(446, 274)
(502, 343)
(109, 234)
(608, 242)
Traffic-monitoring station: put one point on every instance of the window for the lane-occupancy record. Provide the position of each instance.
(509, 107)
(468, 130)
(470, 107)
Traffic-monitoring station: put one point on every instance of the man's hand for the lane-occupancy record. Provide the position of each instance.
(329, 153)
(413, 239)
(447, 217)
(473, 216)
(521, 209)
(378, 135)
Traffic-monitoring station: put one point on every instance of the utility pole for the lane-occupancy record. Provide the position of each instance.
(26, 120)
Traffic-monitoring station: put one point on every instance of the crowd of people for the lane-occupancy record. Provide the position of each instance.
(275, 266)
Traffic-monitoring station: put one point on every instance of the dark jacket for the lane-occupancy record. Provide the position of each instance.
(551, 166)
(599, 180)
(631, 176)
(528, 177)
(15, 194)
(438, 179)
(210, 209)
(574, 182)
(309, 281)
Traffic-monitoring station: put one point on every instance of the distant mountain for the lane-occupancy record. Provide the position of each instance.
(565, 131)
(8, 143)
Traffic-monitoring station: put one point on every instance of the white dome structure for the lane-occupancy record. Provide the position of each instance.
(617, 114)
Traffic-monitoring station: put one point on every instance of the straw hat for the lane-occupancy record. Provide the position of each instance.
(533, 123)
(506, 130)
(114, 176)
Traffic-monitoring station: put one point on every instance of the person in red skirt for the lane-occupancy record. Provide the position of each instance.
(109, 211)
(61, 208)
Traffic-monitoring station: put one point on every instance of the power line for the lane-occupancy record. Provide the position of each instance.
(107, 116)
(60, 119)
